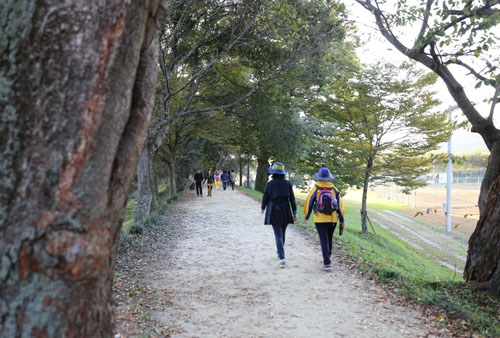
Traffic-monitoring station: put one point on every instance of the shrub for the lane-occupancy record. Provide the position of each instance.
(136, 229)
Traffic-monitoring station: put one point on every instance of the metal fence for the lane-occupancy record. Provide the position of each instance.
(464, 195)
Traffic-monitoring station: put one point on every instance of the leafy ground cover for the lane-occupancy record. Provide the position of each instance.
(407, 272)
(133, 293)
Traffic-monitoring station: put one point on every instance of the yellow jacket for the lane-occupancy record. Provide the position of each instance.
(312, 198)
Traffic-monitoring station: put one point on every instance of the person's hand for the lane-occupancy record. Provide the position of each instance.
(262, 212)
(295, 218)
(306, 220)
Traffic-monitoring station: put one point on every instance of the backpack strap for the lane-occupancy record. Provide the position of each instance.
(318, 188)
(337, 196)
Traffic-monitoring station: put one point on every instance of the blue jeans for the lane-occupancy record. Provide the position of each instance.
(224, 185)
(325, 232)
(279, 236)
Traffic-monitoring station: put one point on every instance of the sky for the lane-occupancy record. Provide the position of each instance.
(376, 48)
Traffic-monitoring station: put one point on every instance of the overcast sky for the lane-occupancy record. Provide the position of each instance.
(376, 48)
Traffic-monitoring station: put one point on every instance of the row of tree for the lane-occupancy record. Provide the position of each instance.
(226, 71)
(312, 103)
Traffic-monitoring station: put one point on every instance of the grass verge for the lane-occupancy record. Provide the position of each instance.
(410, 273)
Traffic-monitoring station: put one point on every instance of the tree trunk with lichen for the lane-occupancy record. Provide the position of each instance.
(77, 82)
(262, 175)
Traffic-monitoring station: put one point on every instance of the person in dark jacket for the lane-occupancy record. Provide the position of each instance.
(276, 201)
(225, 179)
(198, 179)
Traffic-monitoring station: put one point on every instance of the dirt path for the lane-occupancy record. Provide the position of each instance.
(222, 278)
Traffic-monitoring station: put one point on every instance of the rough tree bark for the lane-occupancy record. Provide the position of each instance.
(77, 81)
(483, 256)
(485, 241)
(147, 198)
(262, 174)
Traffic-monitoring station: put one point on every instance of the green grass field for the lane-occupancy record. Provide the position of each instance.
(413, 274)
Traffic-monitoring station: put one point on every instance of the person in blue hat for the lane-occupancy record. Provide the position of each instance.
(324, 200)
(276, 202)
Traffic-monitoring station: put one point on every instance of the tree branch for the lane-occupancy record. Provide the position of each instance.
(494, 101)
(469, 68)
(424, 24)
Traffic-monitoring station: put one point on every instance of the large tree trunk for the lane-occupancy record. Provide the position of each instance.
(148, 195)
(483, 257)
(491, 175)
(77, 83)
(262, 174)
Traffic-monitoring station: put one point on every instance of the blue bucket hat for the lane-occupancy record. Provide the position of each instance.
(323, 174)
(277, 168)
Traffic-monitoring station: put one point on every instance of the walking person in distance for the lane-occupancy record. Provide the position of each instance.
(198, 179)
(233, 179)
(276, 202)
(210, 180)
(324, 200)
(225, 178)
(217, 179)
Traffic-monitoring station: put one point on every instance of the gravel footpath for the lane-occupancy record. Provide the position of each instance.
(220, 277)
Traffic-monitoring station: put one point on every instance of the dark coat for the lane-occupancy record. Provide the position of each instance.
(198, 177)
(277, 199)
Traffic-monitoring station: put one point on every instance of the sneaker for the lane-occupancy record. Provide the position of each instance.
(282, 263)
(327, 267)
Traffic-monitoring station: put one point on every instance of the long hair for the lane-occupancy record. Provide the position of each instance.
(277, 175)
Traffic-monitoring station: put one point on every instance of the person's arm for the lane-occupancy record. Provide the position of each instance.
(265, 198)
(308, 205)
(341, 208)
